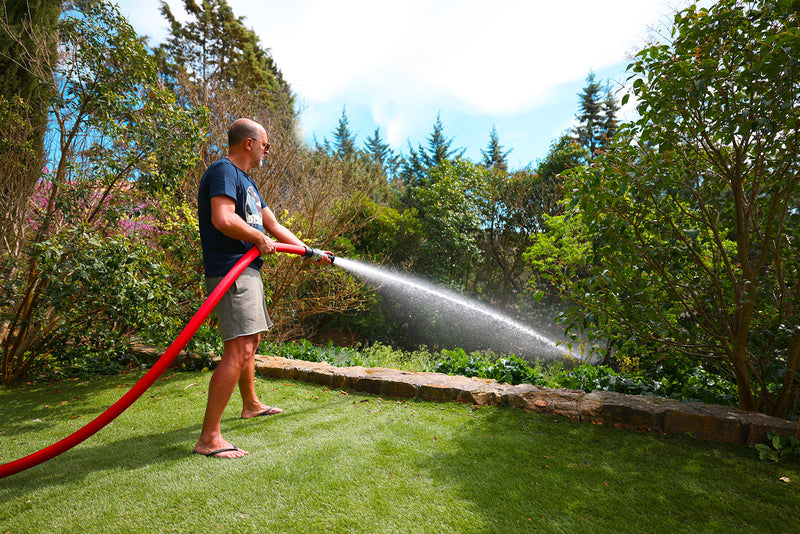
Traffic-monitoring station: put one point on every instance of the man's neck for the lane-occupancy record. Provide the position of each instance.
(239, 161)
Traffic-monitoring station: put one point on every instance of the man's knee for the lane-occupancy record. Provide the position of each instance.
(241, 349)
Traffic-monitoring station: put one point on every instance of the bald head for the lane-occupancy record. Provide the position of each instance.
(243, 129)
(247, 144)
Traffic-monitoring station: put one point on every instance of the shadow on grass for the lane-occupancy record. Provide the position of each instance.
(544, 473)
(89, 458)
(46, 410)
(40, 406)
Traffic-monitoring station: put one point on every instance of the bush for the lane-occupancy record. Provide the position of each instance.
(690, 384)
(685, 383)
(376, 355)
(103, 291)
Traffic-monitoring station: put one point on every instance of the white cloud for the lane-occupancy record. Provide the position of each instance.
(145, 17)
(497, 57)
(401, 63)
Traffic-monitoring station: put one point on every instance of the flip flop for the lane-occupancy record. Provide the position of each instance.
(268, 411)
(213, 454)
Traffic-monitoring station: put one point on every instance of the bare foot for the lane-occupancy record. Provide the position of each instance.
(263, 410)
(219, 449)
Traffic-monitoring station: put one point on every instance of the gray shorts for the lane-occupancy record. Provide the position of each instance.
(242, 310)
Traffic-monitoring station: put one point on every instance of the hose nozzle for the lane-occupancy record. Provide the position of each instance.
(315, 254)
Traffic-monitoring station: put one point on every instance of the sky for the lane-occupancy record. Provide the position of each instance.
(515, 65)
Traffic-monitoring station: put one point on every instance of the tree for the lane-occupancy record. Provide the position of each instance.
(114, 127)
(360, 168)
(564, 154)
(589, 115)
(215, 49)
(344, 141)
(20, 168)
(380, 152)
(416, 168)
(25, 28)
(494, 157)
(413, 172)
(449, 209)
(516, 211)
(382, 161)
(439, 147)
(597, 110)
(692, 213)
(214, 61)
(610, 122)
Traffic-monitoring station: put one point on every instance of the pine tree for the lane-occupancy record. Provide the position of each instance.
(610, 122)
(344, 141)
(494, 157)
(413, 170)
(590, 115)
(597, 116)
(439, 146)
(324, 146)
(380, 152)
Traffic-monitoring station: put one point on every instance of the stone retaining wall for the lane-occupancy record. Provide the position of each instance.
(654, 414)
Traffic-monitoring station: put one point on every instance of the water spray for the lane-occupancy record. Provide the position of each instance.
(472, 322)
(159, 367)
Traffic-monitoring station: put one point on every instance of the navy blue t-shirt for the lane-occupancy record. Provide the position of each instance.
(220, 252)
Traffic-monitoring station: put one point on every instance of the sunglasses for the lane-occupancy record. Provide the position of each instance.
(257, 141)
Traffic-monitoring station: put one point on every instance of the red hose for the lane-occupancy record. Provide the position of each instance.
(151, 376)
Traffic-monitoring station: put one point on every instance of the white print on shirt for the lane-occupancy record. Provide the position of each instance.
(252, 208)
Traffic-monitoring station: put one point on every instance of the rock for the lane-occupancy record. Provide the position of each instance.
(655, 414)
(564, 402)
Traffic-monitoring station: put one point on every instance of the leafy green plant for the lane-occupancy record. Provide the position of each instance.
(307, 351)
(375, 355)
(778, 447)
(458, 362)
(512, 369)
(677, 382)
(692, 250)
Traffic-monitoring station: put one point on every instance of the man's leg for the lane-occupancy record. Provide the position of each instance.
(251, 405)
(236, 356)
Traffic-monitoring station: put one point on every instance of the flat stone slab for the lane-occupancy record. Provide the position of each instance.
(654, 414)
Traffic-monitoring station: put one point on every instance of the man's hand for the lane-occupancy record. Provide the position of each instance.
(266, 246)
(325, 259)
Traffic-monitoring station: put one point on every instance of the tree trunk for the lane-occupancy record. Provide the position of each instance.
(742, 374)
(791, 381)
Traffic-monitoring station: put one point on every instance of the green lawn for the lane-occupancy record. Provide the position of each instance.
(339, 461)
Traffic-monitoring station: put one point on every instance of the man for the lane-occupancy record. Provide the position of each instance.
(232, 218)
